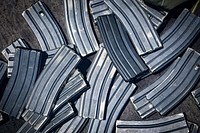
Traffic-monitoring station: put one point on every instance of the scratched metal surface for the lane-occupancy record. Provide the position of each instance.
(13, 26)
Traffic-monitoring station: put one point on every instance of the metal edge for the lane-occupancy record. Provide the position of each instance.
(193, 127)
(146, 108)
(27, 128)
(120, 49)
(77, 19)
(196, 96)
(74, 87)
(63, 115)
(156, 17)
(50, 55)
(75, 125)
(44, 26)
(176, 25)
(182, 33)
(99, 8)
(177, 85)
(51, 80)
(136, 21)
(35, 74)
(27, 114)
(9, 52)
(10, 64)
(143, 107)
(93, 101)
(175, 123)
(3, 68)
(118, 97)
(1, 117)
(12, 47)
(27, 63)
(37, 121)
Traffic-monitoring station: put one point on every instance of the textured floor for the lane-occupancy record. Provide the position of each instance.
(13, 26)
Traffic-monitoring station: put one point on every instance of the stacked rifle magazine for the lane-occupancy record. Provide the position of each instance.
(51, 92)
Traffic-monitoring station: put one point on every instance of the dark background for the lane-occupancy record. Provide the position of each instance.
(13, 26)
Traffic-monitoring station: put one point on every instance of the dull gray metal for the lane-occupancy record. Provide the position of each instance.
(44, 26)
(140, 29)
(62, 116)
(12, 47)
(156, 17)
(196, 96)
(75, 125)
(27, 65)
(37, 121)
(175, 40)
(118, 97)
(99, 8)
(50, 55)
(9, 52)
(27, 128)
(78, 26)
(51, 80)
(99, 77)
(43, 123)
(176, 86)
(193, 127)
(143, 106)
(75, 86)
(120, 48)
(3, 67)
(1, 117)
(175, 123)
(10, 64)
